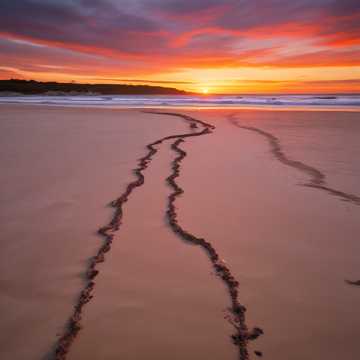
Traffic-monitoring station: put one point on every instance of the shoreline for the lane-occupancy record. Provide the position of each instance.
(286, 102)
(314, 108)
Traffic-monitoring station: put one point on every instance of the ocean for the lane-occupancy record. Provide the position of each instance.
(343, 101)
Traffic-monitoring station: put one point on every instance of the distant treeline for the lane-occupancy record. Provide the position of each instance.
(29, 87)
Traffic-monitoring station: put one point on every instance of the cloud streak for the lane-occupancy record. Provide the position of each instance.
(115, 40)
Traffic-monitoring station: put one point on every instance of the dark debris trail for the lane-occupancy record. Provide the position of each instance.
(237, 316)
(317, 178)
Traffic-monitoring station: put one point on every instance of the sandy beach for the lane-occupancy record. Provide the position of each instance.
(274, 193)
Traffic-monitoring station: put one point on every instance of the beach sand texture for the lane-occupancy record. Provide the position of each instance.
(275, 193)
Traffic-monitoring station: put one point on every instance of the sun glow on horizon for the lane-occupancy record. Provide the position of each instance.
(205, 91)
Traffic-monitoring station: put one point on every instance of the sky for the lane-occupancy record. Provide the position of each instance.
(230, 46)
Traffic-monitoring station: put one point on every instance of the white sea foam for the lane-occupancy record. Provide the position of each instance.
(189, 101)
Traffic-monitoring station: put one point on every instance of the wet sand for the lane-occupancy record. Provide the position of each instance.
(291, 247)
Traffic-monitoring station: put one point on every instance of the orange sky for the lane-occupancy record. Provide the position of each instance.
(232, 46)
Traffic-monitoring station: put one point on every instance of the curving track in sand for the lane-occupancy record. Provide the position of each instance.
(236, 317)
(317, 179)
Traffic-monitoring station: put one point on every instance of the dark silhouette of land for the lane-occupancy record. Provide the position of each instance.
(32, 87)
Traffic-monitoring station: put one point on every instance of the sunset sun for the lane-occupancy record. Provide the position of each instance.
(205, 91)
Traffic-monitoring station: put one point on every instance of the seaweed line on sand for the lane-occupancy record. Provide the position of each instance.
(73, 326)
(356, 283)
(317, 178)
(237, 318)
(237, 311)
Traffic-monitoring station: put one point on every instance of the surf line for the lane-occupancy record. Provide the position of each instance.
(317, 178)
(236, 317)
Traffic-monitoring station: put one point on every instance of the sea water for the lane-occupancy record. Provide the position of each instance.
(345, 101)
